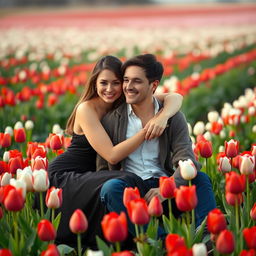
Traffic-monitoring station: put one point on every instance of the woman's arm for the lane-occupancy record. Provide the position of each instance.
(172, 104)
(95, 133)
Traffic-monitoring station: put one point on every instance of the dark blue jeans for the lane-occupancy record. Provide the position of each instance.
(112, 196)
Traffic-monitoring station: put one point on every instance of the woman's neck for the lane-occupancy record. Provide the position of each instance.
(101, 106)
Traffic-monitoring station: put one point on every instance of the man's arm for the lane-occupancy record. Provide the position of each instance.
(181, 146)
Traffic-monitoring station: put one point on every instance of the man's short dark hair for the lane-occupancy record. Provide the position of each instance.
(148, 62)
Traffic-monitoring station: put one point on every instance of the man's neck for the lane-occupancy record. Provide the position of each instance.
(144, 110)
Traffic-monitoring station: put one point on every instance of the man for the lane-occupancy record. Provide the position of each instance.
(157, 157)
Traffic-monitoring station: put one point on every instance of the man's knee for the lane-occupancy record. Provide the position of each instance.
(111, 188)
(202, 178)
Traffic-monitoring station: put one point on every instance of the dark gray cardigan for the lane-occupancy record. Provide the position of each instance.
(175, 143)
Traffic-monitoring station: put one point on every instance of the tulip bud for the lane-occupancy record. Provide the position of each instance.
(5, 140)
(6, 156)
(18, 125)
(5, 252)
(40, 180)
(246, 164)
(235, 183)
(167, 187)
(13, 199)
(26, 176)
(78, 222)
(52, 250)
(233, 199)
(198, 128)
(250, 252)
(224, 164)
(174, 241)
(19, 135)
(8, 129)
(253, 212)
(155, 207)
(225, 243)
(56, 129)
(53, 198)
(56, 142)
(114, 227)
(188, 170)
(19, 184)
(5, 179)
(199, 250)
(130, 194)
(123, 253)
(231, 148)
(186, 198)
(29, 125)
(138, 211)
(213, 116)
(216, 221)
(94, 253)
(46, 230)
(250, 237)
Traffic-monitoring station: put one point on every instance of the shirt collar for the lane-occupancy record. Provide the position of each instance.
(156, 106)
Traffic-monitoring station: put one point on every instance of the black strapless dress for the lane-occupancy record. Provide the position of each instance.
(74, 172)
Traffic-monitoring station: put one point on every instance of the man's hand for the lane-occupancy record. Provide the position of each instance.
(155, 126)
(153, 192)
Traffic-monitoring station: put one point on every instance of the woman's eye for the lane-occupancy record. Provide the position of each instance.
(103, 83)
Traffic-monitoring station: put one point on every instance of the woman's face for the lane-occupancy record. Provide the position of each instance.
(109, 87)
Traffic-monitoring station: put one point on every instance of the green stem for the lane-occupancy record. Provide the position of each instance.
(247, 199)
(138, 239)
(118, 247)
(189, 229)
(237, 216)
(53, 215)
(15, 226)
(79, 246)
(41, 204)
(170, 213)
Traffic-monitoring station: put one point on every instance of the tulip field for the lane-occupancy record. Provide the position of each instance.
(42, 73)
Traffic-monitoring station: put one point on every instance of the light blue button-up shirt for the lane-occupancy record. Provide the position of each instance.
(144, 161)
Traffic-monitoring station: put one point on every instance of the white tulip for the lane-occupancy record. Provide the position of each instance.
(40, 180)
(5, 180)
(251, 111)
(221, 148)
(213, 116)
(56, 129)
(6, 156)
(26, 176)
(94, 253)
(254, 128)
(18, 125)
(199, 250)
(29, 125)
(188, 170)
(247, 164)
(19, 184)
(208, 136)
(198, 128)
(8, 129)
(222, 134)
(208, 126)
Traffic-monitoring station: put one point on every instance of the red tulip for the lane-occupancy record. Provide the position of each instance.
(216, 221)
(1, 213)
(250, 237)
(13, 199)
(52, 250)
(39, 163)
(205, 148)
(216, 127)
(232, 199)
(46, 231)
(225, 243)
(181, 251)
(224, 164)
(53, 198)
(231, 148)
(3, 167)
(78, 222)
(123, 253)
(5, 252)
(15, 163)
(186, 198)
(130, 194)
(114, 227)
(138, 211)
(5, 140)
(20, 135)
(235, 183)
(250, 252)
(167, 187)
(253, 212)
(174, 241)
(155, 207)
(56, 142)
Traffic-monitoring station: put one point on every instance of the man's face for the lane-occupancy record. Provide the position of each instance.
(136, 86)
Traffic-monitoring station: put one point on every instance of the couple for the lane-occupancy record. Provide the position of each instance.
(141, 140)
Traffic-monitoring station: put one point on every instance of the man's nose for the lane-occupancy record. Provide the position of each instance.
(129, 85)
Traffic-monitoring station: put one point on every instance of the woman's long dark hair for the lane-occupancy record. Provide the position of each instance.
(107, 62)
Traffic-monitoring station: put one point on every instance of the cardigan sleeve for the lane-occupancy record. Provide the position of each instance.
(181, 146)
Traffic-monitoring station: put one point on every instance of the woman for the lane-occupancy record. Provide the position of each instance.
(74, 170)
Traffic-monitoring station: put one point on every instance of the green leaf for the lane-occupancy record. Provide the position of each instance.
(65, 249)
(56, 221)
(103, 246)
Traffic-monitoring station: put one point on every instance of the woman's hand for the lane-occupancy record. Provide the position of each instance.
(155, 126)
